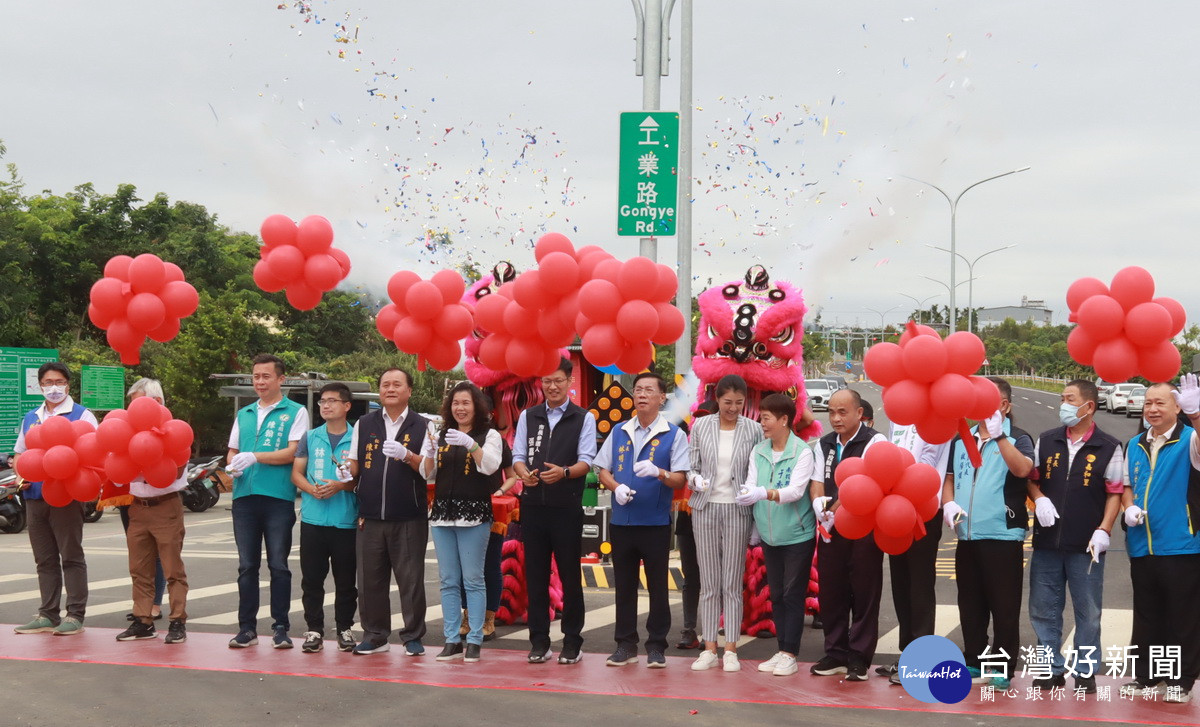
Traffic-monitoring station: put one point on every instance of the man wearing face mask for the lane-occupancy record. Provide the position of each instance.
(55, 533)
(1076, 488)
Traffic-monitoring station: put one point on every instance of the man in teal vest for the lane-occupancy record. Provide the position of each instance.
(262, 447)
(328, 516)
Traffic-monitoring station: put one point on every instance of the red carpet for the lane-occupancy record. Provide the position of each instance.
(506, 669)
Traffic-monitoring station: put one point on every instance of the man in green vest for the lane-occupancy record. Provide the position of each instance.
(262, 447)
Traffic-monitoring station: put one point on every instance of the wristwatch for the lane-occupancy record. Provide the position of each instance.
(1000, 438)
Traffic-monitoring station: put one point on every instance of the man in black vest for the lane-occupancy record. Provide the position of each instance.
(393, 516)
(553, 448)
(1076, 490)
(850, 571)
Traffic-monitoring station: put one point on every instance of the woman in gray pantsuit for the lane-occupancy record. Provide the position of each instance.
(720, 449)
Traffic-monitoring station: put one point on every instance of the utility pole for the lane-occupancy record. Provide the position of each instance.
(683, 300)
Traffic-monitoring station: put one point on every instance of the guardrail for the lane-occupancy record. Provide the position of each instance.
(1032, 378)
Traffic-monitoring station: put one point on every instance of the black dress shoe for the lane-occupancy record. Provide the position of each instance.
(1087, 684)
(688, 640)
(452, 650)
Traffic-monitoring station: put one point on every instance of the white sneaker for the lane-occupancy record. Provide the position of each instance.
(786, 666)
(770, 664)
(1177, 696)
(705, 661)
(731, 662)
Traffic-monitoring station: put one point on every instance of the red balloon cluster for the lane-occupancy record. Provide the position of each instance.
(65, 457)
(144, 441)
(1122, 330)
(756, 596)
(300, 260)
(888, 492)
(930, 382)
(426, 317)
(514, 596)
(140, 297)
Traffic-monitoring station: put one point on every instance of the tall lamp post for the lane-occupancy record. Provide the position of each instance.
(953, 240)
(920, 303)
(947, 287)
(881, 315)
(971, 272)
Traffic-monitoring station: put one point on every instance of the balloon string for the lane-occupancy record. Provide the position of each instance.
(968, 439)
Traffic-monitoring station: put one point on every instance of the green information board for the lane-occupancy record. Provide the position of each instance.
(648, 181)
(19, 390)
(103, 388)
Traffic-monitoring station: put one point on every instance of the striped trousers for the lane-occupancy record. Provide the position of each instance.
(722, 530)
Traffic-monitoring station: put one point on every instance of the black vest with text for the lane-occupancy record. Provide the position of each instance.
(829, 459)
(1078, 491)
(389, 489)
(559, 446)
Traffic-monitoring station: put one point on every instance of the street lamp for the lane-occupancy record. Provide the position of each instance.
(953, 240)
(920, 303)
(881, 314)
(971, 272)
(947, 287)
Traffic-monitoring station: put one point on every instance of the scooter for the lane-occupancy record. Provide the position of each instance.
(202, 491)
(12, 504)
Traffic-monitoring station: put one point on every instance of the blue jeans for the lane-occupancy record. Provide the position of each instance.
(460, 555)
(1051, 573)
(258, 519)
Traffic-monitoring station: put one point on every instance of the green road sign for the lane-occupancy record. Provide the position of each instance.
(19, 390)
(103, 388)
(648, 182)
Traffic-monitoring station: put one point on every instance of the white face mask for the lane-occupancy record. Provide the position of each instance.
(54, 394)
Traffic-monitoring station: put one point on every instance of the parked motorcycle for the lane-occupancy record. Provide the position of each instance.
(203, 488)
(12, 503)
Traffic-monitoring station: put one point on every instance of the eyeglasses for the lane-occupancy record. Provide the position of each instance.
(331, 402)
(553, 382)
(54, 382)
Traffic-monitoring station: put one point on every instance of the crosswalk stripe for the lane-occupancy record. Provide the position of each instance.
(264, 609)
(945, 620)
(17, 577)
(193, 594)
(1116, 626)
(93, 586)
(593, 619)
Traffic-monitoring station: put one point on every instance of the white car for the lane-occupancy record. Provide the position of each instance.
(1102, 389)
(1136, 402)
(819, 391)
(1118, 398)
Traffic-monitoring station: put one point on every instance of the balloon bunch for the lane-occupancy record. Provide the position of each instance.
(65, 457)
(887, 492)
(756, 596)
(300, 260)
(138, 298)
(426, 317)
(144, 441)
(930, 382)
(1123, 330)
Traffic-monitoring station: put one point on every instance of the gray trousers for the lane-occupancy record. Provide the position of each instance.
(56, 537)
(386, 548)
(722, 531)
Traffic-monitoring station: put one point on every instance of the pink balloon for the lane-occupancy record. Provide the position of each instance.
(180, 298)
(600, 300)
(860, 494)
(1178, 314)
(450, 284)
(559, 272)
(109, 296)
(454, 322)
(638, 278)
(636, 357)
(637, 320)
(519, 320)
(98, 318)
(120, 468)
(1116, 360)
(906, 401)
(1159, 363)
(895, 516)
(1081, 345)
(173, 271)
(1132, 285)
(951, 396)
(322, 272)
(278, 230)
(147, 273)
(552, 242)
(314, 236)
(166, 332)
(603, 344)
(924, 358)
(852, 526)
(884, 363)
(885, 461)
(118, 267)
(965, 353)
(1083, 289)
(266, 279)
(987, 401)
(668, 285)
(423, 300)
(386, 320)
(489, 313)
(286, 263)
(1147, 324)
(146, 448)
(552, 330)
(342, 258)
(146, 312)
(848, 468)
(1102, 316)
(528, 290)
(302, 296)
(670, 324)
(912, 330)
(412, 335)
(398, 286)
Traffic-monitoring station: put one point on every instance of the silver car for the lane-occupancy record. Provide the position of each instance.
(1136, 402)
(1118, 398)
(819, 391)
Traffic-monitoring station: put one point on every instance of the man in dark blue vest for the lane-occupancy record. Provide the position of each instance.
(262, 446)
(55, 533)
(1076, 488)
(393, 515)
(643, 462)
(553, 450)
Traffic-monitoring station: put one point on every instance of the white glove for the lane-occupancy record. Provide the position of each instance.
(645, 468)
(392, 448)
(994, 424)
(755, 537)
(458, 438)
(699, 484)
(827, 520)
(1134, 516)
(241, 462)
(1045, 510)
(819, 504)
(1188, 395)
(623, 494)
(1098, 544)
(343, 474)
(950, 513)
(751, 495)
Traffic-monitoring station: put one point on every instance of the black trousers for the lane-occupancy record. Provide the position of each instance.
(990, 578)
(787, 582)
(1166, 589)
(321, 549)
(914, 576)
(557, 532)
(851, 577)
(650, 546)
(386, 548)
(685, 540)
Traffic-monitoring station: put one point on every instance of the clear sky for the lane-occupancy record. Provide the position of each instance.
(497, 121)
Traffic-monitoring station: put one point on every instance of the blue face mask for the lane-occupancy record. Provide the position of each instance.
(1068, 414)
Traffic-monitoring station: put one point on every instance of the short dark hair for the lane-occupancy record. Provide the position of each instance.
(779, 405)
(407, 376)
(1004, 387)
(270, 358)
(868, 410)
(662, 383)
(730, 382)
(1087, 389)
(54, 366)
(340, 389)
(565, 366)
(483, 407)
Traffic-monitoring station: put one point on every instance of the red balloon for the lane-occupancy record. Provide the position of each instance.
(146, 312)
(177, 435)
(118, 267)
(454, 322)
(951, 396)
(314, 235)
(524, 357)
(160, 473)
(610, 270)
(492, 351)
(1102, 316)
(173, 272)
(588, 261)
(552, 242)
(144, 413)
(342, 258)
(57, 431)
(895, 516)
(60, 462)
(1116, 360)
(928, 509)
(423, 300)
(55, 494)
(83, 486)
(1081, 345)
(1178, 314)
(489, 313)
(412, 335)
(552, 331)
(122, 336)
(1159, 363)
(850, 525)
(285, 263)
(668, 285)
(924, 358)
(167, 331)
(451, 286)
(637, 321)
(528, 290)
(147, 273)
(559, 272)
(1147, 324)
(29, 463)
(884, 363)
(600, 300)
(860, 494)
(603, 344)
(906, 401)
(116, 414)
(398, 286)
(180, 298)
(987, 400)
(847, 468)
(918, 483)
(145, 448)
(636, 358)
(302, 296)
(322, 272)
(120, 468)
(90, 452)
(911, 330)
(97, 317)
(1131, 286)
(670, 324)
(893, 545)
(638, 278)
(443, 353)
(109, 297)
(33, 438)
(885, 462)
(518, 319)
(265, 278)
(278, 230)
(568, 308)
(965, 353)
(936, 430)
(114, 435)
(907, 458)
(1083, 289)
(181, 456)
